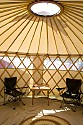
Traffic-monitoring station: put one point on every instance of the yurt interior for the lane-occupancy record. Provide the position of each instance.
(41, 45)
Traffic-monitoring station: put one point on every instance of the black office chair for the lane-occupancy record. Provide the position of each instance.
(72, 93)
(10, 92)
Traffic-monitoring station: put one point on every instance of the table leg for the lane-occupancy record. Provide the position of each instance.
(48, 97)
(33, 92)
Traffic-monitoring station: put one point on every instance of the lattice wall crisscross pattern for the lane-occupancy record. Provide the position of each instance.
(33, 69)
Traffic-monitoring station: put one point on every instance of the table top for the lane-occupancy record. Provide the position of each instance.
(40, 88)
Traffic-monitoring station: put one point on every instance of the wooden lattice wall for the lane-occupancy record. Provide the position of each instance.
(33, 69)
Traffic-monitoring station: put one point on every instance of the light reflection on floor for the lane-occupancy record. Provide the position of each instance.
(47, 112)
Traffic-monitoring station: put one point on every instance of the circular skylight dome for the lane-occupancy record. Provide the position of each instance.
(45, 8)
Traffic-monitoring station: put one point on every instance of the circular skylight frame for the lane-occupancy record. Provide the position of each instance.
(44, 13)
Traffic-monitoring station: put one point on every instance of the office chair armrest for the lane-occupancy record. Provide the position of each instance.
(59, 89)
(20, 87)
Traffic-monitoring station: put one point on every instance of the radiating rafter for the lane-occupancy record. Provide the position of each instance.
(33, 33)
(71, 16)
(19, 32)
(69, 36)
(74, 32)
(23, 16)
(14, 14)
(13, 31)
(40, 35)
(61, 37)
(31, 17)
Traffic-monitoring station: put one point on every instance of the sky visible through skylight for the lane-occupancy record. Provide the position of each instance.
(45, 9)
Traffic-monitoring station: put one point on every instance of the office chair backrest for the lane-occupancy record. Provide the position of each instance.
(73, 85)
(10, 83)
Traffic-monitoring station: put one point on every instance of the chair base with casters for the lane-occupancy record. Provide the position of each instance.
(72, 93)
(12, 94)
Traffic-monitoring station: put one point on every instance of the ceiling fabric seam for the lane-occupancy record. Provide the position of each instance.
(41, 54)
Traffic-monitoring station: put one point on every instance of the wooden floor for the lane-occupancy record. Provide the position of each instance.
(8, 116)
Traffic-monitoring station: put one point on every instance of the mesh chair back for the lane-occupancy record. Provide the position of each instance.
(73, 85)
(10, 83)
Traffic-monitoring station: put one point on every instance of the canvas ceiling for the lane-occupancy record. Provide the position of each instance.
(21, 31)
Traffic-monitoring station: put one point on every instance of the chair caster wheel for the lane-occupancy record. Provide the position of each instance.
(74, 110)
(13, 108)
